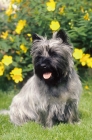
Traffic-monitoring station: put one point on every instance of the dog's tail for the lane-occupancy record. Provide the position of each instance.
(4, 112)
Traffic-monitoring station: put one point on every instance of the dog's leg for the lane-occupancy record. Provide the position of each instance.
(50, 122)
(71, 112)
(50, 117)
(55, 115)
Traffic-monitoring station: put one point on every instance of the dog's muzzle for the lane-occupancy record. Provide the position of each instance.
(47, 74)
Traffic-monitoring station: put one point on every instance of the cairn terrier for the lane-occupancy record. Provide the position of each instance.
(52, 94)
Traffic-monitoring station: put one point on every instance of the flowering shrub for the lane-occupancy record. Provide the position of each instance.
(22, 18)
(83, 59)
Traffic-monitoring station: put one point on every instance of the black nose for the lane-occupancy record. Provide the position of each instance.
(43, 66)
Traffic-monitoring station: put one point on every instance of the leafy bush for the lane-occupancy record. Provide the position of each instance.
(43, 17)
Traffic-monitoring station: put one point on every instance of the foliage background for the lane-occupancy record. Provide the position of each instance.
(24, 18)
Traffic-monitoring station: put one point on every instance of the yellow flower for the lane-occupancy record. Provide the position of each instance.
(13, 1)
(9, 11)
(84, 59)
(18, 52)
(16, 75)
(7, 60)
(78, 53)
(51, 5)
(18, 1)
(82, 9)
(23, 48)
(86, 17)
(86, 87)
(14, 16)
(31, 39)
(89, 62)
(1, 68)
(54, 25)
(61, 10)
(29, 35)
(21, 24)
(4, 35)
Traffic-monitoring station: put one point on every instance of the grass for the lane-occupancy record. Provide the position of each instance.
(33, 131)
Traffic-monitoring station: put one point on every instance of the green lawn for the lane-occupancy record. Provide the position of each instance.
(33, 131)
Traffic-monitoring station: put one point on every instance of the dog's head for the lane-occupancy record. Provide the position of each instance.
(52, 58)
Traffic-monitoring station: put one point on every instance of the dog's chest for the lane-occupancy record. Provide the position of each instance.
(48, 98)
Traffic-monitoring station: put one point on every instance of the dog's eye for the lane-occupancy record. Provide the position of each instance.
(39, 53)
(52, 53)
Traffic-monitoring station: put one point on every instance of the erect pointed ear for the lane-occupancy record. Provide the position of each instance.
(62, 34)
(36, 37)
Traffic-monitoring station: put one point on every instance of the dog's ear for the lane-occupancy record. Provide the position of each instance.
(36, 37)
(62, 34)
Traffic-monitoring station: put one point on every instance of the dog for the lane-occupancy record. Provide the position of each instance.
(52, 94)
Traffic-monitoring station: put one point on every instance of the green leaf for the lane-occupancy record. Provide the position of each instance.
(4, 46)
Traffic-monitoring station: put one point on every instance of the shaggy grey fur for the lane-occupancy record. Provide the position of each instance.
(53, 100)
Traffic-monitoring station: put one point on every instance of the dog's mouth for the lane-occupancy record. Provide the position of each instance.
(47, 75)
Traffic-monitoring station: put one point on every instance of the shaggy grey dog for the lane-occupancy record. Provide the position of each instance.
(52, 94)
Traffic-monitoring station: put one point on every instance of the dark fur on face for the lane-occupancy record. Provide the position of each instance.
(52, 57)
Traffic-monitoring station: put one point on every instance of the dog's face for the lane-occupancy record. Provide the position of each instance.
(52, 58)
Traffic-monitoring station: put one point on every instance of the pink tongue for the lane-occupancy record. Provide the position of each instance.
(47, 75)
